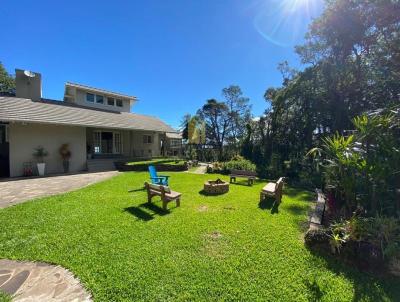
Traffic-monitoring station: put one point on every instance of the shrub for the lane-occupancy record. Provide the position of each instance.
(382, 232)
(240, 164)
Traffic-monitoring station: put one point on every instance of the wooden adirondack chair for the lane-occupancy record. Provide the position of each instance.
(164, 192)
(157, 179)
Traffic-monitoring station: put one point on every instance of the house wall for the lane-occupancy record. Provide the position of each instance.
(80, 99)
(24, 138)
(132, 142)
(141, 149)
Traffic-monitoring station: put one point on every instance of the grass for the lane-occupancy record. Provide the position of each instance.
(4, 297)
(212, 248)
(159, 161)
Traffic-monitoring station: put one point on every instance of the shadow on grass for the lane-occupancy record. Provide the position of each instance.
(241, 182)
(137, 190)
(152, 210)
(296, 210)
(269, 203)
(367, 286)
(298, 194)
(205, 193)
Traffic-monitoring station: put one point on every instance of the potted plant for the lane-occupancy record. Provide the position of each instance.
(40, 153)
(65, 155)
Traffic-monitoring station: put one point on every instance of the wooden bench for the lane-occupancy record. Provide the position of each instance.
(250, 175)
(273, 189)
(164, 192)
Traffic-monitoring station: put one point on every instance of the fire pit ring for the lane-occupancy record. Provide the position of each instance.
(216, 186)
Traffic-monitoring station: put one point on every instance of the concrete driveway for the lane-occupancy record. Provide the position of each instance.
(14, 191)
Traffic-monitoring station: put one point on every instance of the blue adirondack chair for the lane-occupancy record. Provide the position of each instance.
(157, 179)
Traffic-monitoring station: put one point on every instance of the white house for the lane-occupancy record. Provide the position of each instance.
(97, 125)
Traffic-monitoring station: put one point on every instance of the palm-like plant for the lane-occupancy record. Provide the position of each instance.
(364, 168)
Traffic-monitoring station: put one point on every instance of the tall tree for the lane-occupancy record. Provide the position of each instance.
(217, 121)
(239, 111)
(7, 82)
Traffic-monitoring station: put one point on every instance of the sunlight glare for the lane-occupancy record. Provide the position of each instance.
(284, 22)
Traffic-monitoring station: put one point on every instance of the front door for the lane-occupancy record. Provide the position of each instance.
(107, 142)
(4, 152)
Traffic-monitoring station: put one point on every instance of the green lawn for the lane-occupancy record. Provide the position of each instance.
(212, 248)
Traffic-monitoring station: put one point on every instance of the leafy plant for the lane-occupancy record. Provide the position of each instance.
(40, 153)
(339, 235)
(364, 168)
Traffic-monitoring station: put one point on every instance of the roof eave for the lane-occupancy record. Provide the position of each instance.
(132, 99)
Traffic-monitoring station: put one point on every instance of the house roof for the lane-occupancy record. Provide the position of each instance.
(175, 135)
(100, 91)
(14, 109)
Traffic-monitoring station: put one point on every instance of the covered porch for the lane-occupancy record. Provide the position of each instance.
(106, 146)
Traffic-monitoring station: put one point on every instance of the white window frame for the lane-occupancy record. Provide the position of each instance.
(117, 142)
(113, 99)
(98, 96)
(116, 103)
(94, 98)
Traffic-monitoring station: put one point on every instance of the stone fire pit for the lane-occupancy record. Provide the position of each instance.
(216, 186)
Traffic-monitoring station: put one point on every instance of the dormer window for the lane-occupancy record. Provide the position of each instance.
(111, 101)
(90, 97)
(99, 99)
(94, 98)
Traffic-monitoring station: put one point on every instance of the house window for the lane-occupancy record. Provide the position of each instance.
(147, 139)
(111, 101)
(90, 97)
(119, 103)
(99, 99)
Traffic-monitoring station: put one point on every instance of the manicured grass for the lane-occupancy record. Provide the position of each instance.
(4, 297)
(212, 248)
(159, 161)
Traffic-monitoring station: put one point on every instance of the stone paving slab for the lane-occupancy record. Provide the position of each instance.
(14, 191)
(35, 281)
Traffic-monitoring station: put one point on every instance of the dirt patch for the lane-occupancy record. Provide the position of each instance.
(215, 235)
(229, 208)
(214, 245)
(202, 208)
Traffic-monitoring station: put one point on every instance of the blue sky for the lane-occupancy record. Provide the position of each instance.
(172, 54)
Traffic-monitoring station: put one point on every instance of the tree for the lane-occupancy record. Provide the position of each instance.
(239, 111)
(352, 52)
(7, 82)
(217, 121)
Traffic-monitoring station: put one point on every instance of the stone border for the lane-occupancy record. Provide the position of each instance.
(38, 281)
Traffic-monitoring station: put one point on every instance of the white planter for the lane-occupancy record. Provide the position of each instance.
(41, 167)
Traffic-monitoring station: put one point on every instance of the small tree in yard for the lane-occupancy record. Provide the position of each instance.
(7, 82)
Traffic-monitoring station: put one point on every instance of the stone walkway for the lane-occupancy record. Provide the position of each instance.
(201, 169)
(30, 281)
(14, 191)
